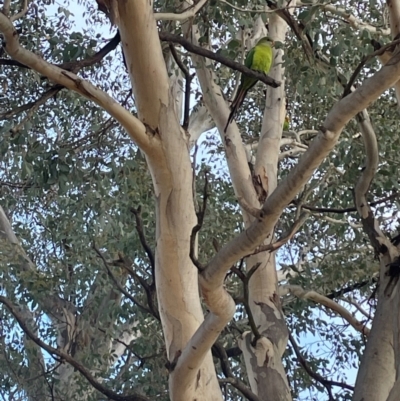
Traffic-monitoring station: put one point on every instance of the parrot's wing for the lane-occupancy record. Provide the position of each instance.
(249, 58)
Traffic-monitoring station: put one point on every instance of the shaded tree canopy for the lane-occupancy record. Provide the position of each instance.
(146, 254)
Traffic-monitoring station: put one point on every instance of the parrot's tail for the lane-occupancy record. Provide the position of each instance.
(237, 102)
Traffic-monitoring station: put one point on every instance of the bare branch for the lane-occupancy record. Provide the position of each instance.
(365, 59)
(220, 352)
(135, 128)
(347, 209)
(20, 14)
(316, 376)
(117, 283)
(352, 287)
(353, 21)
(319, 148)
(197, 227)
(283, 240)
(149, 289)
(189, 46)
(189, 13)
(68, 358)
(75, 66)
(351, 301)
(314, 296)
(142, 238)
(31, 105)
(188, 80)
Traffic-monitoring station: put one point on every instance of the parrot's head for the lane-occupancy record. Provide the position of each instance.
(266, 41)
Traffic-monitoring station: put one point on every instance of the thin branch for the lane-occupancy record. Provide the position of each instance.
(220, 352)
(117, 283)
(239, 385)
(142, 238)
(14, 63)
(75, 66)
(357, 306)
(246, 296)
(314, 296)
(316, 376)
(21, 13)
(245, 10)
(35, 104)
(283, 240)
(68, 358)
(6, 7)
(348, 209)
(189, 13)
(352, 20)
(169, 37)
(71, 66)
(200, 218)
(149, 289)
(135, 128)
(351, 288)
(188, 80)
(383, 49)
(295, 27)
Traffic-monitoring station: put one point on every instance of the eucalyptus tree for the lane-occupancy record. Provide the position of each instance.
(148, 254)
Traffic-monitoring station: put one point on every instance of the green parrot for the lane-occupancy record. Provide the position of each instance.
(259, 58)
(286, 123)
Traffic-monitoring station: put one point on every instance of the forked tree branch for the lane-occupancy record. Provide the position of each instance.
(188, 80)
(21, 13)
(68, 358)
(390, 46)
(141, 134)
(220, 352)
(116, 281)
(190, 12)
(316, 376)
(353, 21)
(142, 238)
(320, 147)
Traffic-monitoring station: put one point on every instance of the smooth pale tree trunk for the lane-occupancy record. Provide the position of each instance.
(264, 361)
(171, 171)
(379, 367)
